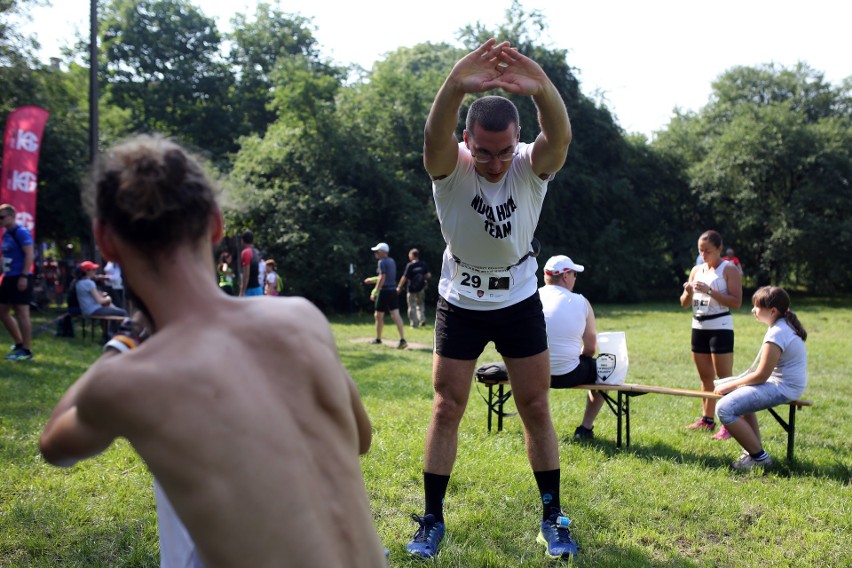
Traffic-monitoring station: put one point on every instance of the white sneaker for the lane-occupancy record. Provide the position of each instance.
(747, 462)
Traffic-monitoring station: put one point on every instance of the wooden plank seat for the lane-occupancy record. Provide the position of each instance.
(90, 321)
(619, 404)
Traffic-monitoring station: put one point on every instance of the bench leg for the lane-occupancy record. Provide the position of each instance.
(490, 405)
(789, 427)
(620, 406)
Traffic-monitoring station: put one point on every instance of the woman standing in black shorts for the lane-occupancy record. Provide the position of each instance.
(714, 289)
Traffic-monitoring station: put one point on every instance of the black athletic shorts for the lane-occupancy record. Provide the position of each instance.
(11, 296)
(583, 374)
(718, 341)
(517, 331)
(387, 300)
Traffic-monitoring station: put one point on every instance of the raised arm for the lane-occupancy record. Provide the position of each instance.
(476, 72)
(521, 75)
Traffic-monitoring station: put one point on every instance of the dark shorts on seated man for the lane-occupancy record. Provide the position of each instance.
(387, 300)
(586, 373)
(517, 331)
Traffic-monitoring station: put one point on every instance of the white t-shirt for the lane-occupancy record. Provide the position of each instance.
(790, 374)
(488, 227)
(565, 314)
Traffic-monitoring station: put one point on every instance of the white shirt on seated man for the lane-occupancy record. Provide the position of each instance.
(571, 335)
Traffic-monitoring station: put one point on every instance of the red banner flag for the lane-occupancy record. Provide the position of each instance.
(21, 146)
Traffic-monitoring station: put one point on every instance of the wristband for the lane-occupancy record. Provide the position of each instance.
(121, 343)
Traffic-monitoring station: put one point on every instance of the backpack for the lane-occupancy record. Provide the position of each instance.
(279, 283)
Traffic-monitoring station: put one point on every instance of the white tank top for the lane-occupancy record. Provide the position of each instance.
(703, 305)
(565, 314)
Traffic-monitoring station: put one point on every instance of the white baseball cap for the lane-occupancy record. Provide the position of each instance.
(381, 246)
(559, 264)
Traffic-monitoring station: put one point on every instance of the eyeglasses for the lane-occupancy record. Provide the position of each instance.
(484, 156)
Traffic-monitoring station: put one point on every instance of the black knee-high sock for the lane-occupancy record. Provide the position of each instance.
(548, 487)
(436, 487)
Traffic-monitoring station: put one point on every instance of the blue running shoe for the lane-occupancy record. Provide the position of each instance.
(19, 355)
(554, 534)
(427, 538)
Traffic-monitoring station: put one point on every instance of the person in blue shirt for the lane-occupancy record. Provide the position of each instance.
(16, 289)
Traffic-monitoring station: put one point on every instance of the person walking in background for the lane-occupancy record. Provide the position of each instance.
(250, 282)
(384, 295)
(714, 289)
(225, 273)
(779, 377)
(114, 284)
(261, 465)
(16, 289)
(488, 192)
(731, 257)
(414, 281)
(572, 336)
(273, 279)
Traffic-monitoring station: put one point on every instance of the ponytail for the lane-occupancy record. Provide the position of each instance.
(775, 297)
(797, 326)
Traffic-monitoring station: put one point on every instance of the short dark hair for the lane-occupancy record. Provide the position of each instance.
(248, 237)
(414, 252)
(493, 113)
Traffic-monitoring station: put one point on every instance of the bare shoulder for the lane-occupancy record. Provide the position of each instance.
(110, 390)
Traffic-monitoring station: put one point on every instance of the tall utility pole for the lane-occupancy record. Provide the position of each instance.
(93, 97)
(93, 80)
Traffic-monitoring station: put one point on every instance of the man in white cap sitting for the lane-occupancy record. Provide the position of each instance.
(571, 336)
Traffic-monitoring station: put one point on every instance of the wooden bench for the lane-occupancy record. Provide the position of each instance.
(620, 405)
(91, 320)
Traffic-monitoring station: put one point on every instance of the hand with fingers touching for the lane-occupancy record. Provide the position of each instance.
(520, 75)
(481, 69)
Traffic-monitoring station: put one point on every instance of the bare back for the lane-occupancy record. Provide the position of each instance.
(249, 422)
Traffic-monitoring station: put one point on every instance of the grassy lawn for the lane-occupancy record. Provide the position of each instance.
(668, 500)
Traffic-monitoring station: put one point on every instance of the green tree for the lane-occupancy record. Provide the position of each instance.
(769, 158)
(162, 63)
(292, 185)
(258, 46)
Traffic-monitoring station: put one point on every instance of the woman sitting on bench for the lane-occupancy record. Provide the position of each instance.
(780, 375)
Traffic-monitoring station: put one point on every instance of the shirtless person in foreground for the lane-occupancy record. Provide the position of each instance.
(254, 437)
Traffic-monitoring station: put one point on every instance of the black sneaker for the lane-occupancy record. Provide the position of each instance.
(403, 344)
(583, 433)
(376, 342)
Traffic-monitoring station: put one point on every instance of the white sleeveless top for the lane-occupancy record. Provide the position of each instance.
(703, 305)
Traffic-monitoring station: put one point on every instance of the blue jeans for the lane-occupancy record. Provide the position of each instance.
(748, 400)
(258, 291)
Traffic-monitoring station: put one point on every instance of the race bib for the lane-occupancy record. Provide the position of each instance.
(480, 285)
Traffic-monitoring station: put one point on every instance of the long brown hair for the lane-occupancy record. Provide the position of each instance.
(774, 297)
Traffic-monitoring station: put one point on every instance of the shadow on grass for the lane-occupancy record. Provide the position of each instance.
(656, 451)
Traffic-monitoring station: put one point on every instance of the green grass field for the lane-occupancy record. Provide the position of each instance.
(669, 500)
